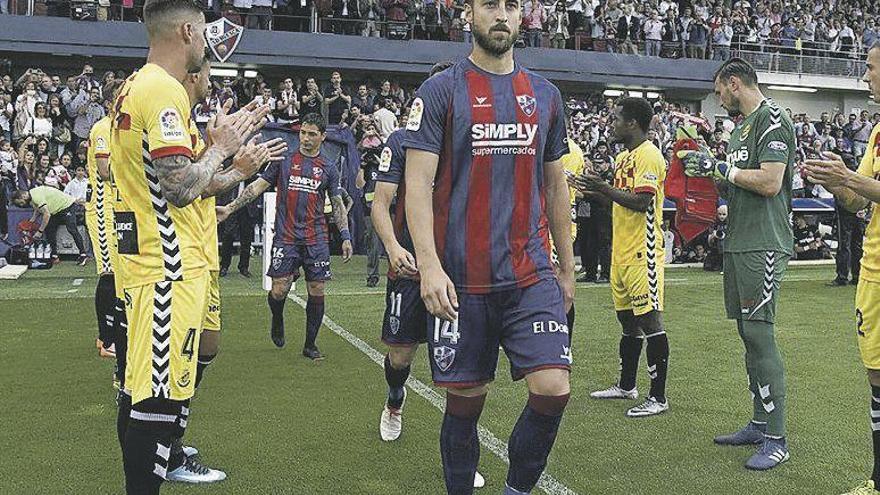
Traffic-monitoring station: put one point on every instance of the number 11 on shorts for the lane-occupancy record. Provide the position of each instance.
(447, 330)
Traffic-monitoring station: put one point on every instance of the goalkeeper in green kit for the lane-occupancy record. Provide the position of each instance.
(755, 179)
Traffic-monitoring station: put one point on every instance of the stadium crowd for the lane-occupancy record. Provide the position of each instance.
(684, 28)
(45, 121)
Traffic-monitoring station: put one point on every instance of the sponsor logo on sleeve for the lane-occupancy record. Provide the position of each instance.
(171, 125)
(416, 111)
(777, 146)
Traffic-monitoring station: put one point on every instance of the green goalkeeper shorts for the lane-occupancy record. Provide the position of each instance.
(751, 284)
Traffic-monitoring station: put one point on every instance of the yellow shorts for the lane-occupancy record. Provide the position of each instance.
(868, 322)
(212, 316)
(102, 233)
(637, 288)
(164, 324)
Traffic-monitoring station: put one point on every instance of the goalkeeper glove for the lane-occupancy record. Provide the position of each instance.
(701, 163)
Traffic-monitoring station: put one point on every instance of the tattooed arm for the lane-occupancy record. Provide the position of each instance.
(182, 180)
(340, 215)
(251, 192)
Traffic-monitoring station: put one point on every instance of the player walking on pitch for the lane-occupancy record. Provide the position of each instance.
(484, 141)
(637, 254)
(756, 181)
(163, 268)
(854, 191)
(405, 322)
(301, 238)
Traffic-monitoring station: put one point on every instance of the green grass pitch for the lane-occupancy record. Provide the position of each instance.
(278, 423)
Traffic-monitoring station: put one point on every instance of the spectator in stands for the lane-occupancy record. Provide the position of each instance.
(808, 243)
(87, 110)
(39, 125)
(698, 34)
(672, 30)
(260, 16)
(396, 10)
(346, 16)
(46, 88)
(628, 31)
(558, 25)
(287, 109)
(653, 31)
(265, 98)
(386, 121)
(371, 13)
(7, 115)
(721, 39)
(861, 132)
(8, 166)
(363, 100)
(534, 19)
(78, 185)
(312, 99)
(337, 98)
(87, 78)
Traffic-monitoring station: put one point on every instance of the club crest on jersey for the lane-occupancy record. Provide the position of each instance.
(745, 132)
(527, 104)
(444, 357)
(223, 36)
(385, 160)
(171, 125)
(184, 380)
(416, 111)
(394, 322)
(317, 172)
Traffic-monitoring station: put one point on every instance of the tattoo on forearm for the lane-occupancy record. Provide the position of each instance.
(222, 181)
(249, 194)
(183, 180)
(340, 215)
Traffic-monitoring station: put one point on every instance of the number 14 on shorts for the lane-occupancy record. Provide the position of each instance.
(446, 330)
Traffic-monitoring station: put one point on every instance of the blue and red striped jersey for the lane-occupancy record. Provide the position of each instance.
(493, 135)
(392, 169)
(301, 183)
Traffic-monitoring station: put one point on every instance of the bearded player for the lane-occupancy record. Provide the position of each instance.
(485, 190)
(301, 238)
(99, 222)
(854, 191)
(756, 182)
(637, 254)
(163, 269)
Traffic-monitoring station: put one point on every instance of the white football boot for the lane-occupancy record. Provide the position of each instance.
(615, 392)
(391, 421)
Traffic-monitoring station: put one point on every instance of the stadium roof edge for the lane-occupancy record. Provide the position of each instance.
(122, 40)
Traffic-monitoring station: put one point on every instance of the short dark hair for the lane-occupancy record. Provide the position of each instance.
(439, 67)
(18, 194)
(637, 109)
(316, 120)
(156, 11)
(739, 68)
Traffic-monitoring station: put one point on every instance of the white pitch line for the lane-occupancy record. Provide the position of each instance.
(547, 483)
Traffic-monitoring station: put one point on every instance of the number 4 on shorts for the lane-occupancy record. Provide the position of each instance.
(447, 330)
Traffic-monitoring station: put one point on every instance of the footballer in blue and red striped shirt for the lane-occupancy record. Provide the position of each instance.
(301, 181)
(485, 191)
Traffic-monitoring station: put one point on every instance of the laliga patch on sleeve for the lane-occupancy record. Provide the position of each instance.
(171, 125)
(101, 144)
(414, 123)
(650, 177)
(385, 160)
(777, 146)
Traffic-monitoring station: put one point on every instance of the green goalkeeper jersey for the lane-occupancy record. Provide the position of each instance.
(756, 223)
